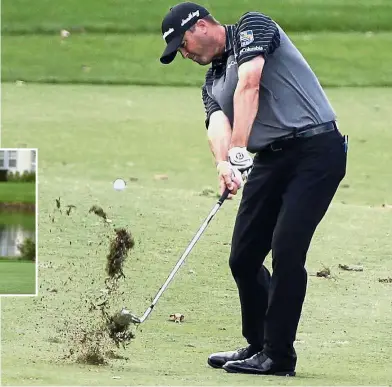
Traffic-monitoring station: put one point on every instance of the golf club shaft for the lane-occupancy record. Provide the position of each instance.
(186, 252)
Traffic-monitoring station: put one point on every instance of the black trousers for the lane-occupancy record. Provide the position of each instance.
(286, 196)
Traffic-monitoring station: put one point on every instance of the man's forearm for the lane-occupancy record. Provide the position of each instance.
(246, 103)
(219, 135)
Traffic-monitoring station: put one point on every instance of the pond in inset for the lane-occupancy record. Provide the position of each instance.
(14, 229)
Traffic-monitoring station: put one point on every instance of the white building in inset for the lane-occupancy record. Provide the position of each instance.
(18, 160)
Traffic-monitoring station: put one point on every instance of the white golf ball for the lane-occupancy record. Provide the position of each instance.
(119, 184)
(64, 33)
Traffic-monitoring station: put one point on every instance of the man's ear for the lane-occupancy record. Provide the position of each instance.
(202, 25)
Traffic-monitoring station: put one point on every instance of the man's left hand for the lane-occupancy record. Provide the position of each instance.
(241, 159)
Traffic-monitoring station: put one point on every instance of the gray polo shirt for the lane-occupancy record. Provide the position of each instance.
(290, 95)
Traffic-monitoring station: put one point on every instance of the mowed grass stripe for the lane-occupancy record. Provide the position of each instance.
(122, 16)
(339, 59)
(161, 131)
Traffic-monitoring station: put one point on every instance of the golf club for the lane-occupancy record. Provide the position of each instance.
(138, 320)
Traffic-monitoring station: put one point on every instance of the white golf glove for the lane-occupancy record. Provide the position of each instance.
(241, 159)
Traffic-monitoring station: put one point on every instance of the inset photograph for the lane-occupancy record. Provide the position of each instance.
(18, 222)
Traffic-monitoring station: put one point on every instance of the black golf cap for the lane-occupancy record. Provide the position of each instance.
(179, 19)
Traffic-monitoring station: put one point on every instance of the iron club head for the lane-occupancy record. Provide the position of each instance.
(135, 320)
(125, 317)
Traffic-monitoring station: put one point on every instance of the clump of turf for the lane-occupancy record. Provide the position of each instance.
(88, 338)
(99, 212)
(118, 251)
(92, 348)
(325, 272)
(118, 326)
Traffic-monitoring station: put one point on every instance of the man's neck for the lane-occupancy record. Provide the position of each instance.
(220, 41)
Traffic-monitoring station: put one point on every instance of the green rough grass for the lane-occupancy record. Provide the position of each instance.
(87, 137)
(17, 192)
(46, 16)
(17, 277)
(339, 59)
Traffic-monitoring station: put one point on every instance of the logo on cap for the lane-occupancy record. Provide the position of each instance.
(191, 15)
(168, 32)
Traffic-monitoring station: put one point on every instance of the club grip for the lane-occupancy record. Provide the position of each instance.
(224, 196)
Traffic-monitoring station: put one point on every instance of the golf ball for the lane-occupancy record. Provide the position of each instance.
(119, 184)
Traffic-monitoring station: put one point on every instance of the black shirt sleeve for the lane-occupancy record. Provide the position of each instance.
(256, 34)
(210, 105)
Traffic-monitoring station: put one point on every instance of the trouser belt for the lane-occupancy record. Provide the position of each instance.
(303, 133)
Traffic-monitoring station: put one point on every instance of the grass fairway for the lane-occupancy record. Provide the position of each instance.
(88, 136)
(17, 277)
(17, 192)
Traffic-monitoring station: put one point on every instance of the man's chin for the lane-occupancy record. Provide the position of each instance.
(203, 63)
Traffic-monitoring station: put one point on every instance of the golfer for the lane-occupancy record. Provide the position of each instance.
(262, 98)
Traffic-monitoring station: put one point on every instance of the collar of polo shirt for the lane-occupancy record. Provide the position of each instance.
(221, 61)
